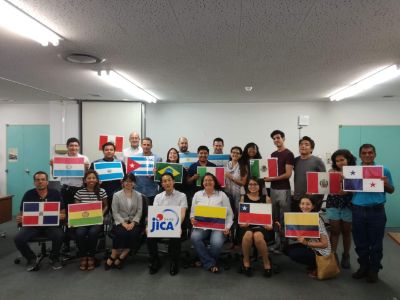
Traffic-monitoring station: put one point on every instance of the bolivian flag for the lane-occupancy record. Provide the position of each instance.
(209, 217)
(175, 170)
(302, 224)
(85, 214)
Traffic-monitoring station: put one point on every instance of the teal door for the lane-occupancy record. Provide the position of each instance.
(28, 151)
(387, 142)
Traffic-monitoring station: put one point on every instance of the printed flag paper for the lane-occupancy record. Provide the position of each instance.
(302, 224)
(323, 182)
(255, 214)
(175, 169)
(64, 166)
(85, 214)
(164, 222)
(218, 172)
(188, 158)
(261, 168)
(220, 160)
(109, 170)
(209, 217)
(140, 165)
(117, 140)
(363, 179)
(41, 214)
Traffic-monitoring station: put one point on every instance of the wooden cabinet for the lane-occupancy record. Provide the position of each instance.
(5, 208)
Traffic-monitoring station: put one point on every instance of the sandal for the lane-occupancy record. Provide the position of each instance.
(108, 266)
(268, 272)
(120, 263)
(214, 269)
(91, 264)
(83, 265)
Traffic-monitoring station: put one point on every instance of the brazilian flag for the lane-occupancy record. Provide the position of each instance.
(175, 169)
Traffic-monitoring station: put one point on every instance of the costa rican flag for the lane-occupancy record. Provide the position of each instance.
(41, 214)
(64, 166)
(116, 139)
(363, 179)
(140, 165)
(109, 170)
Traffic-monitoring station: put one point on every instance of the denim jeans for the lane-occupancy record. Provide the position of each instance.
(86, 238)
(301, 254)
(368, 232)
(208, 257)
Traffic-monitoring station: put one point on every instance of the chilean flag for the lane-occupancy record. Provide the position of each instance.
(255, 214)
(323, 182)
(41, 214)
(117, 140)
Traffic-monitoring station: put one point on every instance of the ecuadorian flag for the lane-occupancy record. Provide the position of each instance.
(85, 214)
(302, 224)
(209, 217)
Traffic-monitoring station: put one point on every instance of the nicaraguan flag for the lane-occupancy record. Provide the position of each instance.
(41, 214)
(255, 213)
(363, 178)
(109, 170)
(220, 160)
(140, 165)
(65, 166)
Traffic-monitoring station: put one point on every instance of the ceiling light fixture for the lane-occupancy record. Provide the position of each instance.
(16, 20)
(383, 74)
(117, 80)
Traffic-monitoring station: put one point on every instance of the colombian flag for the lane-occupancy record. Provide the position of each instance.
(302, 224)
(209, 217)
(85, 214)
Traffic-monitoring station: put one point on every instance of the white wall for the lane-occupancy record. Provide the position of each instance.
(241, 123)
(62, 117)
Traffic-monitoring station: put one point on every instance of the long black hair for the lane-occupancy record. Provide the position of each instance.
(351, 159)
(97, 186)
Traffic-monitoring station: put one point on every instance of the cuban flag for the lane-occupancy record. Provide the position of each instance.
(116, 139)
(323, 182)
(255, 213)
(109, 170)
(64, 166)
(140, 165)
(41, 214)
(363, 179)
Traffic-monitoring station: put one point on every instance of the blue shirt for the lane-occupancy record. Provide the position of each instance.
(145, 184)
(371, 199)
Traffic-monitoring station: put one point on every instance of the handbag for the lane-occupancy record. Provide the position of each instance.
(327, 266)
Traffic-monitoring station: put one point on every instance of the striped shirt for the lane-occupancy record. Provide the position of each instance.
(85, 196)
(322, 231)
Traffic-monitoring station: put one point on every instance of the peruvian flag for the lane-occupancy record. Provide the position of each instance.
(116, 139)
(323, 182)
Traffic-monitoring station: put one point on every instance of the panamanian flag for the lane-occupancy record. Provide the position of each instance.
(41, 214)
(140, 165)
(66, 166)
(255, 213)
(116, 139)
(363, 179)
(109, 170)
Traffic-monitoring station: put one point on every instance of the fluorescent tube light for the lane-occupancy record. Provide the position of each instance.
(382, 75)
(17, 21)
(117, 80)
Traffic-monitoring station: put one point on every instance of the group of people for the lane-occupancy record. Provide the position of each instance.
(363, 214)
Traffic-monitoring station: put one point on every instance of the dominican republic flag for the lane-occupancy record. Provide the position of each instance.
(261, 168)
(109, 170)
(140, 165)
(363, 179)
(116, 139)
(209, 217)
(219, 159)
(255, 213)
(41, 214)
(218, 172)
(65, 166)
(324, 182)
(302, 224)
(188, 158)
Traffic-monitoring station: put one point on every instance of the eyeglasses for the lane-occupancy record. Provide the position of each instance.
(253, 184)
(235, 152)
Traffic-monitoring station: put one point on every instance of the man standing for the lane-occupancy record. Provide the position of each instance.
(218, 145)
(40, 194)
(134, 149)
(280, 185)
(183, 145)
(145, 184)
(304, 163)
(170, 197)
(369, 220)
